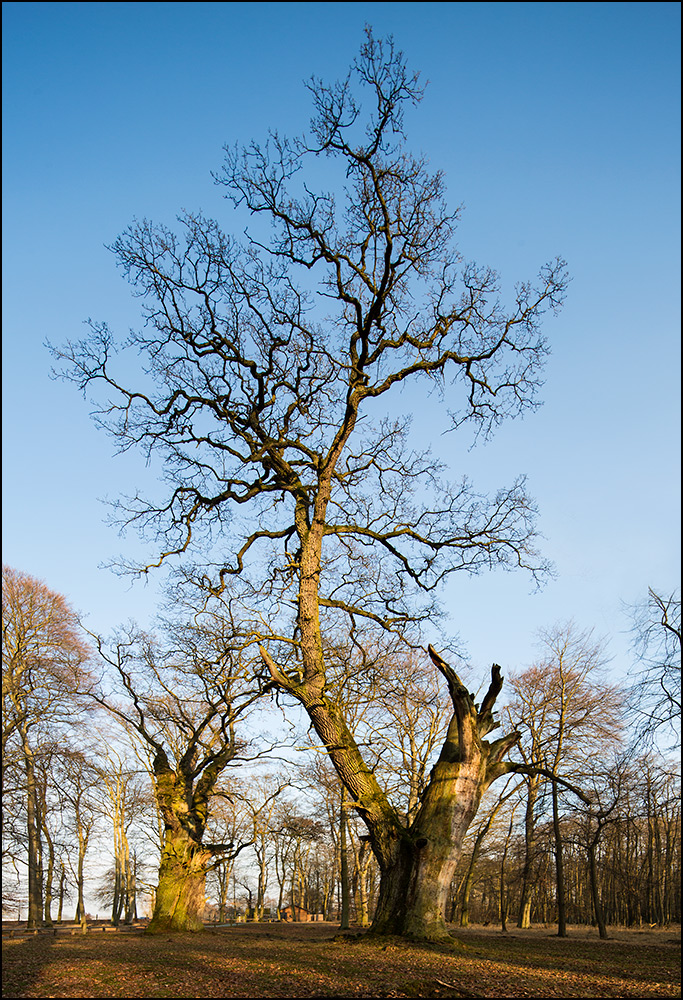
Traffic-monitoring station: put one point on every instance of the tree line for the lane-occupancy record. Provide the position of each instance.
(130, 754)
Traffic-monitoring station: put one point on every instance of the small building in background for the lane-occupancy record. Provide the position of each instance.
(299, 914)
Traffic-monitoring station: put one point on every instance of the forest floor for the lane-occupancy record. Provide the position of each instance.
(313, 960)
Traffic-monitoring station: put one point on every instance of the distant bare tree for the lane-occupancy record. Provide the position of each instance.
(656, 634)
(44, 658)
(78, 780)
(123, 800)
(564, 711)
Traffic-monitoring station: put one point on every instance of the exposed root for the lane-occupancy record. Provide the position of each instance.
(392, 942)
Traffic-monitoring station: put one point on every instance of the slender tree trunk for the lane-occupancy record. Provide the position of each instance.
(524, 915)
(223, 879)
(82, 847)
(559, 868)
(49, 876)
(469, 877)
(344, 865)
(362, 858)
(35, 881)
(261, 887)
(595, 889)
(62, 892)
(465, 894)
(503, 888)
(117, 899)
(131, 892)
(669, 873)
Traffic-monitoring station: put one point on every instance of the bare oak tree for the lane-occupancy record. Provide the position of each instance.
(266, 364)
(184, 700)
(565, 712)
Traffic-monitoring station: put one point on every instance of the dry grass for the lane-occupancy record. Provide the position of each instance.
(305, 960)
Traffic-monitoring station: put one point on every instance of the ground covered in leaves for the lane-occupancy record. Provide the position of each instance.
(313, 960)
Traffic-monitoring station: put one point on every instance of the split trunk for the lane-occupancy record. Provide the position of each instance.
(417, 862)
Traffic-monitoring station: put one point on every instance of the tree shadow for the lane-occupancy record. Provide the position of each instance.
(24, 956)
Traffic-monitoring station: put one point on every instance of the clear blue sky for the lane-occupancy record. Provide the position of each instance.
(557, 125)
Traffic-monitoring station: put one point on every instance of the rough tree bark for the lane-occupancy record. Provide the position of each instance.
(184, 702)
(180, 895)
(417, 862)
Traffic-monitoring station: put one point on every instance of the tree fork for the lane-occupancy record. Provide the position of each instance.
(417, 862)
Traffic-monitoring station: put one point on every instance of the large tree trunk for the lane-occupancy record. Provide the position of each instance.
(414, 890)
(180, 895)
(417, 863)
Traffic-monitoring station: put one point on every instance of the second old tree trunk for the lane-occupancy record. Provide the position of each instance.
(180, 895)
(417, 862)
(180, 898)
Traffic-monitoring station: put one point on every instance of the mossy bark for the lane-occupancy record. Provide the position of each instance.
(180, 896)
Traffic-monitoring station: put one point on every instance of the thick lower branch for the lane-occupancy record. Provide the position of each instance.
(509, 767)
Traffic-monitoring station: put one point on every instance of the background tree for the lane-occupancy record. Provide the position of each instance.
(564, 712)
(261, 802)
(44, 658)
(184, 700)
(243, 815)
(78, 779)
(52, 814)
(481, 833)
(123, 801)
(607, 783)
(228, 824)
(264, 401)
(656, 692)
